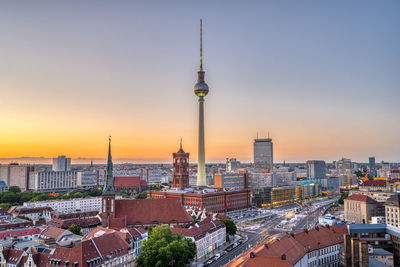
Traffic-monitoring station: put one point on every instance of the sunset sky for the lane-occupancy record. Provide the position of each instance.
(322, 77)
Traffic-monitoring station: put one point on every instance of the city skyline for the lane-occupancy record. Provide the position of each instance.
(325, 91)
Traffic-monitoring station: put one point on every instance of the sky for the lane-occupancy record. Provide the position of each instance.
(321, 77)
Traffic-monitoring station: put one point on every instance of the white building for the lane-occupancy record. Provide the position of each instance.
(53, 181)
(208, 235)
(68, 205)
(61, 163)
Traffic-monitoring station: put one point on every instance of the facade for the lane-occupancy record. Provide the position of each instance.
(212, 200)
(232, 164)
(316, 169)
(360, 209)
(201, 90)
(68, 205)
(282, 178)
(345, 172)
(231, 180)
(372, 166)
(53, 181)
(330, 186)
(180, 176)
(307, 189)
(392, 210)
(282, 195)
(263, 154)
(261, 179)
(61, 163)
(208, 235)
(261, 196)
(129, 184)
(3, 187)
(16, 175)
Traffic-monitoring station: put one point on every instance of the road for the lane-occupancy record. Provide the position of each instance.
(224, 260)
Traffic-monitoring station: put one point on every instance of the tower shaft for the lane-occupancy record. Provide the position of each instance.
(201, 166)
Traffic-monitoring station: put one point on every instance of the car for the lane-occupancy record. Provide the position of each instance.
(223, 253)
(210, 261)
(235, 245)
(217, 256)
(229, 249)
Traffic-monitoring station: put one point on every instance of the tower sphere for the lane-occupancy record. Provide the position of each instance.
(201, 88)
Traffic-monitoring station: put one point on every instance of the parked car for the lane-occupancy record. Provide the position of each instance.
(217, 256)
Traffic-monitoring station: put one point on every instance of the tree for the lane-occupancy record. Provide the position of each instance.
(230, 227)
(14, 189)
(75, 229)
(24, 217)
(343, 197)
(165, 248)
(142, 195)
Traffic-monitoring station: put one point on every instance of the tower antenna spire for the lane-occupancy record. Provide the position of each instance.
(181, 143)
(201, 44)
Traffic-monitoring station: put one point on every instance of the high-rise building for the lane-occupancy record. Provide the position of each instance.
(61, 163)
(231, 180)
(263, 154)
(14, 174)
(180, 177)
(201, 90)
(316, 169)
(372, 167)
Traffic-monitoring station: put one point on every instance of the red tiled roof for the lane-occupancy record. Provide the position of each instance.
(52, 232)
(199, 230)
(376, 183)
(20, 232)
(259, 260)
(395, 180)
(150, 212)
(295, 247)
(102, 247)
(128, 181)
(82, 222)
(11, 255)
(20, 211)
(41, 259)
(363, 198)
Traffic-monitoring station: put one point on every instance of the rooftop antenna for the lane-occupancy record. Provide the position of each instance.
(268, 135)
(257, 135)
(181, 143)
(201, 44)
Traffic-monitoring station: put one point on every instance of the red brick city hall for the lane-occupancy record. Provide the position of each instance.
(212, 200)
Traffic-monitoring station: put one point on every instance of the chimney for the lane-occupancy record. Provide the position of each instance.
(355, 252)
(252, 255)
(306, 230)
(347, 250)
(283, 257)
(364, 260)
(317, 228)
(266, 245)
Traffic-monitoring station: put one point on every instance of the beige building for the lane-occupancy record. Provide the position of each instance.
(360, 208)
(16, 175)
(392, 211)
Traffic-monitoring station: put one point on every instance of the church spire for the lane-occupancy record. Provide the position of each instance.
(109, 183)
